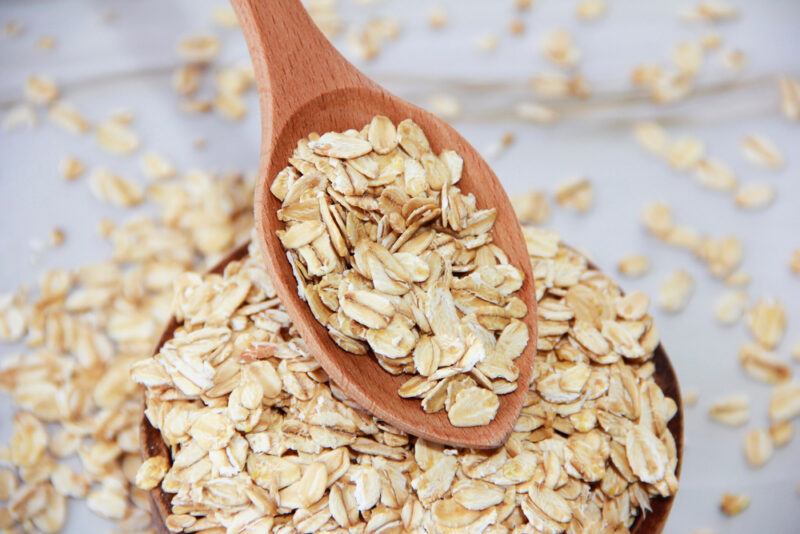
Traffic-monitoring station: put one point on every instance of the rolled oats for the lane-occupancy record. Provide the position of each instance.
(785, 402)
(156, 166)
(591, 9)
(675, 291)
(71, 168)
(762, 365)
(733, 410)
(307, 457)
(781, 433)
(730, 306)
(576, 194)
(114, 189)
(199, 49)
(767, 322)
(68, 117)
(437, 17)
(559, 47)
(634, 265)
(758, 447)
(534, 208)
(789, 89)
(710, 11)
(734, 60)
(365, 214)
(151, 472)
(760, 150)
(41, 90)
(733, 504)
(753, 196)
(116, 137)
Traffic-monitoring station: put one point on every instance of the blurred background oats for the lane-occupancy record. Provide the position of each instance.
(658, 137)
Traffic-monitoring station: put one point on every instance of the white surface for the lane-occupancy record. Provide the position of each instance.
(104, 67)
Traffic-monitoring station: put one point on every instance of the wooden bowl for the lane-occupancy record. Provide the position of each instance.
(653, 523)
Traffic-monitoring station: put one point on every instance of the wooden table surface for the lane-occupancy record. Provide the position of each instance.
(125, 63)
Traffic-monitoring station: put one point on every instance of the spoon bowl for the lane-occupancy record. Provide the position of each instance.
(306, 86)
(653, 523)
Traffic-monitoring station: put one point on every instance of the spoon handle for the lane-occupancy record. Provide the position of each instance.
(293, 61)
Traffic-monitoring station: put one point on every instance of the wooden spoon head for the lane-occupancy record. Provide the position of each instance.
(361, 377)
(152, 443)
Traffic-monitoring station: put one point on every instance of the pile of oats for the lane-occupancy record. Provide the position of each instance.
(261, 439)
(392, 258)
(79, 334)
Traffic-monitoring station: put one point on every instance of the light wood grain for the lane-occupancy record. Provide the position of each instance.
(306, 86)
(653, 523)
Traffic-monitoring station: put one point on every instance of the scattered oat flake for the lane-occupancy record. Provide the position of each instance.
(781, 433)
(730, 306)
(437, 17)
(789, 89)
(225, 17)
(67, 117)
(758, 447)
(754, 196)
(714, 174)
(40, 89)
(734, 60)
(57, 237)
(516, 27)
(199, 48)
(558, 47)
(688, 57)
(230, 106)
(156, 166)
(794, 261)
(71, 168)
(523, 5)
(19, 117)
(737, 279)
(12, 28)
(536, 113)
(675, 291)
(762, 365)
(634, 265)
(710, 11)
(651, 136)
(186, 79)
(761, 151)
(684, 153)
(46, 42)
(445, 105)
(767, 321)
(576, 194)
(733, 504)
(796, 352)
(711, 41)
(690, 398)
(116, 137)
(785, 402)
(733, 410)
(532, 207)
(487, 42)
(114, 189)
(591, 9)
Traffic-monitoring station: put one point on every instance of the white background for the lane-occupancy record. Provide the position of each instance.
(125, 64)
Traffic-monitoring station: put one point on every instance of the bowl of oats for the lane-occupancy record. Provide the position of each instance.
(244, 430)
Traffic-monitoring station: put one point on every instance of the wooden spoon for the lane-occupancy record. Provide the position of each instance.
(653, 523)
(306, 86)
